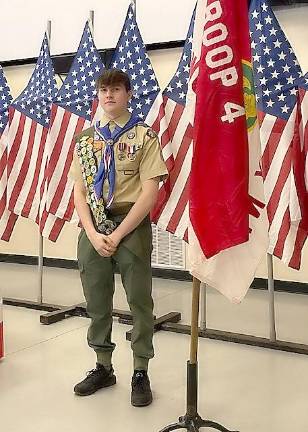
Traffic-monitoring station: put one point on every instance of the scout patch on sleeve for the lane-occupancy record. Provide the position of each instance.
(151, 133)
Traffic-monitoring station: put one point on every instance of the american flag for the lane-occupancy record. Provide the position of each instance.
(303, 91)
(5, 101)
(71, 113)
(27, 156)
(5, 216)
(7, 219)
(277, 75)
(175, 132)
(131, 57)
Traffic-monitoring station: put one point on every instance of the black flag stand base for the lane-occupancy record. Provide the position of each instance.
(191, 421)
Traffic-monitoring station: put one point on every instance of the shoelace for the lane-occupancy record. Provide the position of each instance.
(92, 372)
(139, 380)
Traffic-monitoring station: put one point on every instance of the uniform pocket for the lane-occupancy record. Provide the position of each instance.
(129, 162)
(128, 167)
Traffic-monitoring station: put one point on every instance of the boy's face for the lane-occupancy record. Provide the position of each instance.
(114, 99)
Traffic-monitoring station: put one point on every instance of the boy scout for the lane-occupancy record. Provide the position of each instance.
(117, 167)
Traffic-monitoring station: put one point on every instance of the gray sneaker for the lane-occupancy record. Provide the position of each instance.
(96, 379)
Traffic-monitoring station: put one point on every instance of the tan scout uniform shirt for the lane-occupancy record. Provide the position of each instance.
(147, 163)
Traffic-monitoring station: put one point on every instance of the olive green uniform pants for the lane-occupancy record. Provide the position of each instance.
(133, 257)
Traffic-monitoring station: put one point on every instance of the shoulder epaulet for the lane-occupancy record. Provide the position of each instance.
(150, 132)
(142, 124)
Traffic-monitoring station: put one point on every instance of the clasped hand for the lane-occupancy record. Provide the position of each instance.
(105, 245)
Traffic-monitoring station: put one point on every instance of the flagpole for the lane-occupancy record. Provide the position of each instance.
(41, 239)
(91, 21)
(203, 306)
(40, 268)
(271, 291)
(192, 421)
(134, 4)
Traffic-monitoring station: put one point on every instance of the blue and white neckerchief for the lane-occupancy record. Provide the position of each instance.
(106, 168)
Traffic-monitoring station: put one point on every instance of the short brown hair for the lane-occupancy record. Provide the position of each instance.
(113, 77)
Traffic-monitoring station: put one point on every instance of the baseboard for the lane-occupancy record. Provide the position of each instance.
(174, 274)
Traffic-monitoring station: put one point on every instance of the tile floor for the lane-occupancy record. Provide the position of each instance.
(245, 388)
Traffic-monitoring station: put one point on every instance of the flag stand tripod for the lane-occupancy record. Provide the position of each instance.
(192, 421)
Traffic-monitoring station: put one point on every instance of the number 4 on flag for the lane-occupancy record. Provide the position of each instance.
(232, 111)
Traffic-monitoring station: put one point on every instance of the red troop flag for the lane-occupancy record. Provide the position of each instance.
(219, 200)
(228, 232)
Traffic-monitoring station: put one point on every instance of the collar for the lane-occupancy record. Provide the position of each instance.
(119, 121)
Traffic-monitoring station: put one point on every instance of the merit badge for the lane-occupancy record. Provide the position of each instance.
(131, 135)
(121, 156)
(84, 138)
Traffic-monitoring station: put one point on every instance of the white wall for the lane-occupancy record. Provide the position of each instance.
(293, 21)
(158, 20)
(25, 237)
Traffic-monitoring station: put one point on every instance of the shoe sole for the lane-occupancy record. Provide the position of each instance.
(109, 383)
(141, 404)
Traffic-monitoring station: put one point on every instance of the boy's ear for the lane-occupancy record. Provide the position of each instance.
(130, 94)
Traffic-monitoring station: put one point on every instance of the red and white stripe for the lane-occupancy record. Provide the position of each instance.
(175, 132)
(60, 143)
(50, 226)
(7, 218)
(304, 129)
(26, 167)
(279, 139)
(26, 173)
